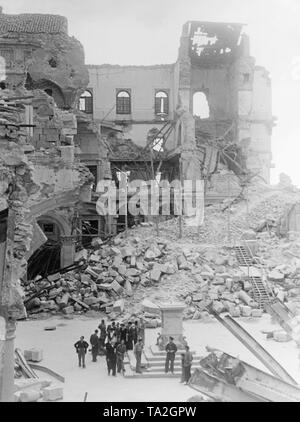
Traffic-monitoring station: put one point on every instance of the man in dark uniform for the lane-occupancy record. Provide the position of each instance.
(118, 332)
(102, 328)
(81, 347)
(187, 364)
(111, 358)
(121, 350)
(123, 333)
(129, 339)
(171, 350)
(138, 350)
(94, 340)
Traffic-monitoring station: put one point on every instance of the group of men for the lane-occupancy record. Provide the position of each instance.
(113, 341)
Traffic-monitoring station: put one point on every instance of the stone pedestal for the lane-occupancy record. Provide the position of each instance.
(171, 316)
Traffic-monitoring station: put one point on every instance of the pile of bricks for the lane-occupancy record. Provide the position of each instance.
(120, 275)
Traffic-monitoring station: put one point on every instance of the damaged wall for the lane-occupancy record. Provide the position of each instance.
(40, 53)
(213, 59)
(142, 82)
(44, 64)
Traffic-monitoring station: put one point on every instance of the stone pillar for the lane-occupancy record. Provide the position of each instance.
(171, 316)
(67, 254)
(7, 364)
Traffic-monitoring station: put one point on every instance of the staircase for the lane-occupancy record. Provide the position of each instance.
(153, 364)
(243, 256)
(261, 294)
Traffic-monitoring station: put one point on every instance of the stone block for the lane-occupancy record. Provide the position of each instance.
(183, 264)
(218, 307)
(68, 310)
(132, 272)
(118, 260)
(140, 265)
(150, 307)
(54, 277)
(115, 286)
(276, 276)
(92, 300)
(155, 273)
(246, 311)
(29, 396)
(257, 313)
(34, 354)
(95, 258)
(92, 272)
(127, 251)
(122, 269)
(77, 307)
(128, 288)
(53, 393)
(218, 281)
(63, 303)
(152, 252)
(169, 268)
(119, 306)
(281, 336)
(235, 311)
(113, 273)
(132, 261)
(116, 251)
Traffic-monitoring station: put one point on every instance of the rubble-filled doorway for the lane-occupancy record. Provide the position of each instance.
(48, 257)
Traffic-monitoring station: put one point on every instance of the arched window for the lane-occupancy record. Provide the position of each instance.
(123, 102)
(161, 103)
(200, 105)
(86, 102)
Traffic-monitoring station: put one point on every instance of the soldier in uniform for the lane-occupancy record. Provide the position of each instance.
(121, 350)
(94, 340)
(102, 328)
(129, 339)
(111, 358)
(138, 350)
(171, 350)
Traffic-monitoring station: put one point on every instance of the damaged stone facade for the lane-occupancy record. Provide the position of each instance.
(214, 61)
(43, 75)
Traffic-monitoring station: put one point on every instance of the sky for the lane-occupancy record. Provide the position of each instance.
(147, 32)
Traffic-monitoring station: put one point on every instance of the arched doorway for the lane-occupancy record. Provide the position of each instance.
(47, 258)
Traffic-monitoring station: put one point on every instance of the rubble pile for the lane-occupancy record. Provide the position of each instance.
(138, 265)
(222, 221)
(281, 259)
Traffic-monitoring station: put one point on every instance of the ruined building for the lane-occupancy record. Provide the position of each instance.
(43, 75)
(207, 116)
(215, 100)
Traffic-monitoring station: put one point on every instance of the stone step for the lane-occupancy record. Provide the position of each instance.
(161, 368)
(157, 359)
(153, 374)
(156, 352)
